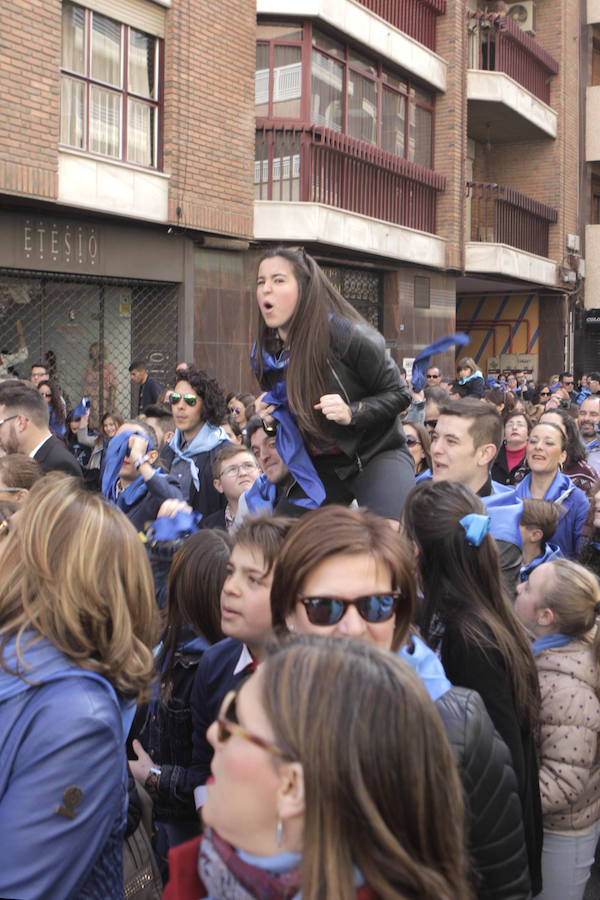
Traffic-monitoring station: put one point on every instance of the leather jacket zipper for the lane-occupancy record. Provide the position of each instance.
(347, 399)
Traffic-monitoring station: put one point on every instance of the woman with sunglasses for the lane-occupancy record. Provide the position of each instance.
(50, 391)
(419, 445)
(543, 394)
(319, 360)
(343, 573)
(304, 800)
(241, 408)
(198, 407)
(468, 619)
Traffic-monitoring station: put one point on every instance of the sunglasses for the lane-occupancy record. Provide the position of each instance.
(411, 441)
(270, 430)
(544, 393)
(190, 399)
(330, 610)
(228, 725)
(234, 410)
(430, 423)
(433, 376)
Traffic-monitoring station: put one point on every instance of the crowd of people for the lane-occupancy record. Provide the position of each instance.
(335, 639)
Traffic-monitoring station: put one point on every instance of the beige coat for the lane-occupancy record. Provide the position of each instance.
(568, 737)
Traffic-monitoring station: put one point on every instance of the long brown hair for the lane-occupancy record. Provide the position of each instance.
(463, 584)
(333, 531)
(195, 581)
(308, 338)
(379, 775)
(73, 570)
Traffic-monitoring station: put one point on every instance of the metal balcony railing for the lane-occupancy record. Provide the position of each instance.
(414, 17)
(501, 215)
(497, 44)
(311, 163)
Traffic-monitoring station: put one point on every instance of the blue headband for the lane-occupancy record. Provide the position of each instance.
(476, 527)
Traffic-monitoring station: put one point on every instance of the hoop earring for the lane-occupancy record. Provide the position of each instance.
(279, 833)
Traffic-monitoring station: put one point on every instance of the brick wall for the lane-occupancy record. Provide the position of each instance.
(30, 35)
(209, 114)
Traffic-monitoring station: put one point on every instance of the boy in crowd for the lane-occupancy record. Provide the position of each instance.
(235, 469)
(539, 521)
(246, 622)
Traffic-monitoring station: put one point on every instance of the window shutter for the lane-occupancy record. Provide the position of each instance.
(140, 14)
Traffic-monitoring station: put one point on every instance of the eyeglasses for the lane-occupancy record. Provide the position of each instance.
(411, 441)
(245, 467)
(190, 399)
(228, 726)
(270, 430)
(8, 418)
(11, 490)
(430, 423)
(331, 610)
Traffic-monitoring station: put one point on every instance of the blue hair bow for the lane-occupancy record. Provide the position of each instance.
(476, 527)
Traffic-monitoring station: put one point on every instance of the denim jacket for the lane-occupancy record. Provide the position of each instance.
(165, 731)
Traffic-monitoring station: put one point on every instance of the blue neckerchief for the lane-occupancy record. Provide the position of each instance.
(551, 551)
(132, 493)
(170, 528)
(422, 362)
(55, 427)
(593, 445)
(209, 437)
(560, 484)
(114, 456)
(271, 363)
(291, 449)
(476, 374)
(426, 475)
(595, 545)
(550, 642)
(583, 394)
(427, 666)
(261, 497)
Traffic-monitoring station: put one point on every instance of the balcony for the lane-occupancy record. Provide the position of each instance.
(508, 83)
(509, 233)
(312, 171)
(416, 18)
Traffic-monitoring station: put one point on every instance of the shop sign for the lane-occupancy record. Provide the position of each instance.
(51, 243)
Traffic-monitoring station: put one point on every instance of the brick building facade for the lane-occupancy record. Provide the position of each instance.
(431, 160)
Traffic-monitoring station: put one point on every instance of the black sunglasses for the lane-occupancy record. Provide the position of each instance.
(331, 610)
(190, 399)
(270, 430)
(411, 441)
(430, 423)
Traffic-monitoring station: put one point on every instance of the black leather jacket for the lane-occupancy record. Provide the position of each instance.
(369, 380)
(495, 835)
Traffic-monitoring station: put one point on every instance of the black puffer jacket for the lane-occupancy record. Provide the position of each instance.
(369, 380)
(495, 833)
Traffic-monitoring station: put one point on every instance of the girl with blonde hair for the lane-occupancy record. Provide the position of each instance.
(77, 623)
(559, 605)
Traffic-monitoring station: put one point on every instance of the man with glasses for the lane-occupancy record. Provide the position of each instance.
(432, 376)
(566, 381)
(271, 487)
(235, 470)
(24, 418)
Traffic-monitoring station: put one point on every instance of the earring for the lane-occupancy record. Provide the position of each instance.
(279, 833)
(290, 626)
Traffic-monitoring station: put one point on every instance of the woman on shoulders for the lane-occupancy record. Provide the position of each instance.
(559, 605)
(546, 454)
(77, 623)
(470, 378)
(321, 361)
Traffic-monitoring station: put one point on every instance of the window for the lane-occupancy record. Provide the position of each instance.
(109, 88)
(346, 91)
(421, 292)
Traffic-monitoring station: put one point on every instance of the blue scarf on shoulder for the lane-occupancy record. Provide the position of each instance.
(114, 456)
(209, 437)
(288, 439)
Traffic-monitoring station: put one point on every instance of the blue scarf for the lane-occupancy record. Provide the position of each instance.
(422, 362)
(550, 642)
(261, 497)
(477, 374)
(170, 528)
(114, 456)
(288, 439)
(209, 437)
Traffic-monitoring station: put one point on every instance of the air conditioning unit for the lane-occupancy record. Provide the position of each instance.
(523, 14)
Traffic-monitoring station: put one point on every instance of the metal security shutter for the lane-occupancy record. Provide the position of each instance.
(88, 330)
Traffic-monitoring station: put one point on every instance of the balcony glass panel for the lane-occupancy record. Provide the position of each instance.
(327, 91)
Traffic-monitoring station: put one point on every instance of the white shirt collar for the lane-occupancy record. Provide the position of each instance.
(41, 444)
(244, 661)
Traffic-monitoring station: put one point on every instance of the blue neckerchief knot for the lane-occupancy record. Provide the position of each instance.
(209, 437)
(476, 527)
(171, 528)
